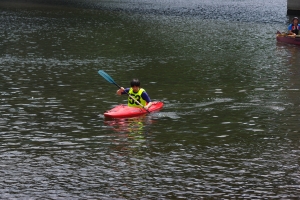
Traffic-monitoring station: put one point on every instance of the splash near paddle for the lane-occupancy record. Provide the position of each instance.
(124, 111)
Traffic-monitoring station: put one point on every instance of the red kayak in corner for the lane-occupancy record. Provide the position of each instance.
(124, 111)
(289, 39)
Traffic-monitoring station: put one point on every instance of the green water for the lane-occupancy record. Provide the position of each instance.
(229, 127)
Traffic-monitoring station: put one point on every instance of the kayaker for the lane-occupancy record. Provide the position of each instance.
(138, 93)
(293, 28)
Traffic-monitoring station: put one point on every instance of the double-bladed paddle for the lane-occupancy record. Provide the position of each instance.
(111, 80)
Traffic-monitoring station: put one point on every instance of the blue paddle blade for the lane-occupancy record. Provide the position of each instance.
(106, 76)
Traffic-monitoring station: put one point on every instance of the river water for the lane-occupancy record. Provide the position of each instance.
(229, 128)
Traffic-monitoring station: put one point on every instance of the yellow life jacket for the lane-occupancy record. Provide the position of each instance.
(137, 96)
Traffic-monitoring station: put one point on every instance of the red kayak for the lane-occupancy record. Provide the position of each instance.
(124, 111)
(281, 37)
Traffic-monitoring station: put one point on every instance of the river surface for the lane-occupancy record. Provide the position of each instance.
(230, 126)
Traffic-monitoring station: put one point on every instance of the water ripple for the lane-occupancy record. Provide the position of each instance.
(229, 128)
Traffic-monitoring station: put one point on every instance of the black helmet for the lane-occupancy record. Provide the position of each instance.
(135, 82)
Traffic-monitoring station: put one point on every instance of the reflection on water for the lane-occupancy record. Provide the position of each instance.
(130, 135)
(229, 128)
(133, 125)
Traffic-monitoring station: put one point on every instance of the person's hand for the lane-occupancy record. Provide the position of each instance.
(148, 106)
(119, 91)
(292, 35)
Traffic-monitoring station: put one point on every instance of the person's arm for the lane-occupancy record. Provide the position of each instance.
(119, 91)
(122, 91)
(148, 105)
(146, 97)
